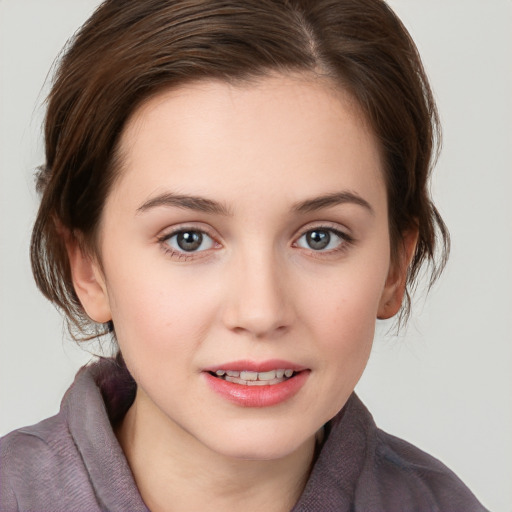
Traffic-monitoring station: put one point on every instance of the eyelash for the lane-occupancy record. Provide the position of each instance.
(346, 240)
(181, 255)
(163, 240)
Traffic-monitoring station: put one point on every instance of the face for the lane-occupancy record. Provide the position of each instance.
(246, 240)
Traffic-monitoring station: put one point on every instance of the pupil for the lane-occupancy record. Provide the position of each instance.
(189, 240)
(318, 239)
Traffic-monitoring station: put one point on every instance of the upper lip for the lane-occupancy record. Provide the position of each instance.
(257, 366)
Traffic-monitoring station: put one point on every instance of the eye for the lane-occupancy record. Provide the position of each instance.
(322, 239)
(189, 240)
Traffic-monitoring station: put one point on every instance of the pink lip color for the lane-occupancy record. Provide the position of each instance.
(255, 366)
(257, 396)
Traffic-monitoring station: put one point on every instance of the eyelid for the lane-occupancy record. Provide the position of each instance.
(343, 231)
(168, 233)
(346, 238)
(340, 231)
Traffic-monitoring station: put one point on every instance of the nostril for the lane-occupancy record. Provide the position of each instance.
(260, 333)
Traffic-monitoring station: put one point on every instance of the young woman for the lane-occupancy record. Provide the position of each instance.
(234, 191)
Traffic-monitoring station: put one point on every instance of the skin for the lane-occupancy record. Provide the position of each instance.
(254, 290)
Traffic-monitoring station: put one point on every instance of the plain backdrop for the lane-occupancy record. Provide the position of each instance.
(445, 383)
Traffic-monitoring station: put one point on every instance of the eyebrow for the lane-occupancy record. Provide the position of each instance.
(186, 202)
(202, 204)
(328, 200)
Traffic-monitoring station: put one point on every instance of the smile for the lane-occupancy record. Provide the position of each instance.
(251, 378)
(257, 384)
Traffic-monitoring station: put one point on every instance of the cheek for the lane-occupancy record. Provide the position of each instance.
(346, 304)
(161, 309)
(343, 347)
(341, 317)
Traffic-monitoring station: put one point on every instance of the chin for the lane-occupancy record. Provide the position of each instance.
(260, 452)
(261, 444)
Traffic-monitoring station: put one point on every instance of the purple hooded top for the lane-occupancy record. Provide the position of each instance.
(73, 462)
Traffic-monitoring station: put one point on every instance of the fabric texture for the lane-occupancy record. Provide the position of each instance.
(73, 462)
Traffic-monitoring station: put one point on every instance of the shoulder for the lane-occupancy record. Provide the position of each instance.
(365, 469)
(40, 467)
(405, 476)
(32, 441)
(72, 461)
(31, 449)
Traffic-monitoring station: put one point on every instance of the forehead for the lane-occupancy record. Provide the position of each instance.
(287, 135)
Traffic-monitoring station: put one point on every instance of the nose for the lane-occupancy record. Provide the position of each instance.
(258, 303)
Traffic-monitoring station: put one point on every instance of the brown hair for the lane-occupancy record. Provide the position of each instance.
(130, 49)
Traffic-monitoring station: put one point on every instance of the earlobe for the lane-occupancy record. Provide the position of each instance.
(88, 282)
(394, 290)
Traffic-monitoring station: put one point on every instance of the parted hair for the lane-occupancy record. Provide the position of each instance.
(129, 50)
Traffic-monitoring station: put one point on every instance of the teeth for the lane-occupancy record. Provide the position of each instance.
(267, 375)
(250, 378)
(250, 382)
(253, 382)
(249, 375)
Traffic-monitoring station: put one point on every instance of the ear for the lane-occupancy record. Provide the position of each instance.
(88, 281)
(394, 289)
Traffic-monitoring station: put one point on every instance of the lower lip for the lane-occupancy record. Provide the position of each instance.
(257, 396)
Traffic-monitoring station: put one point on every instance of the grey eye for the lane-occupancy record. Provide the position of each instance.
(190, 241)
(320, 239)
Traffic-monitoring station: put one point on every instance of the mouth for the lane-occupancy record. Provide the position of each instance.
(257, 384)
(252, 378)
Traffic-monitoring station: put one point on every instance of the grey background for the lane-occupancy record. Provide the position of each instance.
(445, 383)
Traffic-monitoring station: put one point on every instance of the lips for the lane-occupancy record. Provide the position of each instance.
(248, 378)
(257, 384)
(256, 366)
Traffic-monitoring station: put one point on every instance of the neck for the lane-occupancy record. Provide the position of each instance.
(171, 466)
